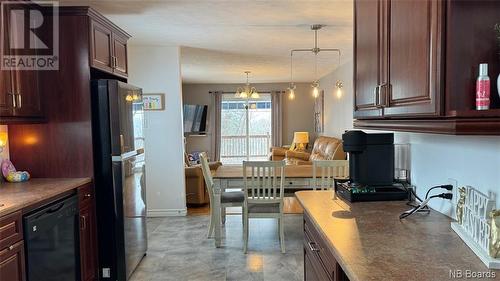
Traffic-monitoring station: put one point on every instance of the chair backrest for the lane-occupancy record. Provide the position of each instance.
(263, 181)
(325, 171)
(207, 175)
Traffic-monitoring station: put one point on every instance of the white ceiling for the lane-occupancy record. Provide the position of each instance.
(222, 39)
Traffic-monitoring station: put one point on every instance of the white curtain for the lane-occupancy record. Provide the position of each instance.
(277, 118)
(215, 123)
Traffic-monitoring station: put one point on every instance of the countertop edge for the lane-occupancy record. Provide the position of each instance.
(68, 186)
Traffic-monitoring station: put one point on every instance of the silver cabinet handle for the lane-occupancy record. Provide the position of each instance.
(14, 103)
(84, 222)
(19, 100)
(11, 247)
(376, 94)
(313, 246)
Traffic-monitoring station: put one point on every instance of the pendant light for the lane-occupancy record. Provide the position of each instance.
(292, 87)
(315, 50)
(339, 87)
(247, 91)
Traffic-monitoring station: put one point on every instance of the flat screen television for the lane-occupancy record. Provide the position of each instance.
(195, 118)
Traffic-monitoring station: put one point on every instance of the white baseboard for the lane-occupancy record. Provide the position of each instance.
(156, 213)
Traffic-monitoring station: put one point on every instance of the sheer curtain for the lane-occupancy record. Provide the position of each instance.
(277, 118)
(215, 123)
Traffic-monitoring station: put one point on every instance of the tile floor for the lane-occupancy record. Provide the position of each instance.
(179, 250)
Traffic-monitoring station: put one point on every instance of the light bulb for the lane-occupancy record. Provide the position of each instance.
(255, 95)
(291, 94)
(339, 86)
(315, 92)
(243, 95)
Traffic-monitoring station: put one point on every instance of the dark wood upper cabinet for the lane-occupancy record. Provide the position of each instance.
(368, 61)
(101, 49)
(28, 95)
(415, 38)
(427, 54)
(20, 97)
(108, 46)
(120, 54)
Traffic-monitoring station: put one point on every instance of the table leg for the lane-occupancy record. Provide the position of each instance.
(216, 211)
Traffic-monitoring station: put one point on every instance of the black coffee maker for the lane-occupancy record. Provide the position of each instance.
(371, 168)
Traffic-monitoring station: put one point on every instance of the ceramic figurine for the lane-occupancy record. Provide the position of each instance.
(495, 234)
(10, 173)
(460, 204)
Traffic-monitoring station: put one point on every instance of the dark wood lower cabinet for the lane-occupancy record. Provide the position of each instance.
(12, 263)
(88, 238)
(319, 262)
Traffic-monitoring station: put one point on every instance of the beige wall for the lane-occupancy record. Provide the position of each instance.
(297, 114)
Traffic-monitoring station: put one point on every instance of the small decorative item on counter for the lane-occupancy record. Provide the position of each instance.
(10, 173)
(483, 88)
(495, 234)
(497, 29)
(479, 222)
(460, 204)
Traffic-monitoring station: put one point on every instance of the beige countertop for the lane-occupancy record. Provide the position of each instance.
(16, 196)
(370, 242)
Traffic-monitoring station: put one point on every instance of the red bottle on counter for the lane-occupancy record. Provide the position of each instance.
(483, 88)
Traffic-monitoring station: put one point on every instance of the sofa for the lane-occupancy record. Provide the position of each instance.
(324, 148)
(196, 191)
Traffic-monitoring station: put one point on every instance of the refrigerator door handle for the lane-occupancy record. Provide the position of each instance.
(126, 156)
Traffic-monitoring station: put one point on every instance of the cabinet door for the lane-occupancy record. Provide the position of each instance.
(6, 94)
(120, 55)
(309, 270)
(88, 245)
(415, 58)
(369, 63)
(6, 90)
(28, 101)
(12, 263)
(101, 47)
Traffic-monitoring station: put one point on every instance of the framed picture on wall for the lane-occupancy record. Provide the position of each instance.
(154, 101)
(319, 113)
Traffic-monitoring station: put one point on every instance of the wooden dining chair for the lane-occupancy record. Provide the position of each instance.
(326, 171)
(263, 181)
(228, 199)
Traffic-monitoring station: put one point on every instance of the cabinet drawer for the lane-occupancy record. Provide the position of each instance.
(314, 269)
(85, 194)
(316, 242)
(11, 229)
(12, 263)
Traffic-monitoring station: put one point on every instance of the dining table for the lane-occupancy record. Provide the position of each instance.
(297, 177)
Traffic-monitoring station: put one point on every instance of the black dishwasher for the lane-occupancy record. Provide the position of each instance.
(51, 238)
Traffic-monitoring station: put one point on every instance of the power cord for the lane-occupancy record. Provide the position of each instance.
(422, 206)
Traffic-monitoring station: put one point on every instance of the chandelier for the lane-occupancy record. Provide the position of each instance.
(247, 91)
(315, 50)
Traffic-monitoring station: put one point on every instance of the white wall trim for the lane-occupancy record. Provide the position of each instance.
(157, 213)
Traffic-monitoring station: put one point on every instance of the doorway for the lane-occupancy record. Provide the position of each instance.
(245, 129)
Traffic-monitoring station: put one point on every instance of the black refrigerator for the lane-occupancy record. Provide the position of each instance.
(118, 139)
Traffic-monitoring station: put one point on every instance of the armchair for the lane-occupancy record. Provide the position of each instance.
(196, 192)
